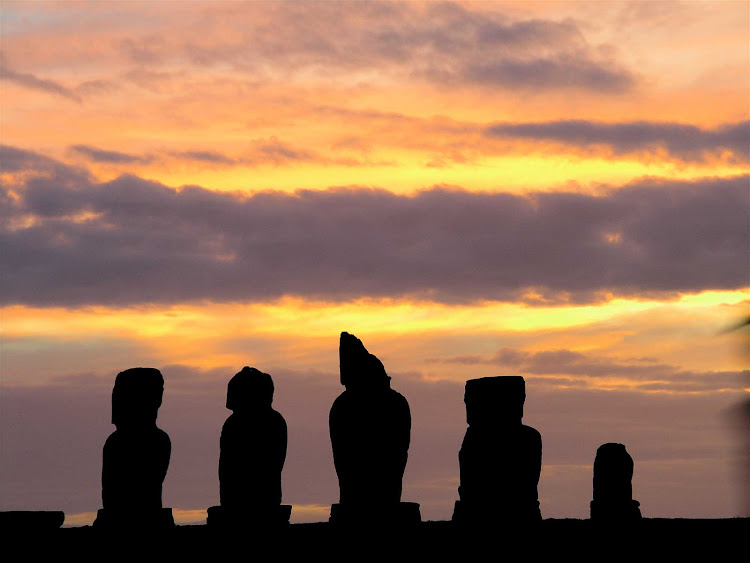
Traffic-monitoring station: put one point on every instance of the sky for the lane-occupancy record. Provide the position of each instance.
(557, 190)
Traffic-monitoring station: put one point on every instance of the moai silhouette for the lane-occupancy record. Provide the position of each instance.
(500, 458)
(613, 489)
(253, 450)
(136, 455)
(370, 426)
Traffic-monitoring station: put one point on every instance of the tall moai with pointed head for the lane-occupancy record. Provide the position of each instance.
(370, 427)
(136, 455)
(253, 450)
(500, 458)
(613, 488)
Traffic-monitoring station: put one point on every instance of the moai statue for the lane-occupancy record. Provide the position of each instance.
(370, 426)
(253, 450)
(613, 489)
(136, 455)
(500, 458)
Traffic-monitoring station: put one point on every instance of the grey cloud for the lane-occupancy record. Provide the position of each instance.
(259, 152)
(564, 71)
(452, 140)
(279, 152)
(686, 142)
(204, 156)
(34, 82)
(16, 160)
(445, 43)
(110, 157)
(29, 80)
(140, 242)
(644, 374)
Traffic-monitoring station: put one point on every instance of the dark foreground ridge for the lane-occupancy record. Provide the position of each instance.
(550, 540)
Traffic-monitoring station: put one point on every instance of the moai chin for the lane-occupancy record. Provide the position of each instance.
(253, 450)
(370, 427)
(613, 489)
(136, 455)
(500, 458)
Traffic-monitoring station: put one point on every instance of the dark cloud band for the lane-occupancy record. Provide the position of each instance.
(69, 240)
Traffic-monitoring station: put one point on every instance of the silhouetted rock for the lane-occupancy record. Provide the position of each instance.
(253, 451)
(252, 518)
(370, 427)
(136, 455)
(31, 520)
(613, 489)
(376, 515)
(500, 458)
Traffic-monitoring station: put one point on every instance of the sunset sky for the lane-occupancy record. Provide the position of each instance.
(557, 190)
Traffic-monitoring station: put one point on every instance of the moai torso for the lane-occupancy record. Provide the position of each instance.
(136, 455)
(370, 426)
(134, 468)
(500, 465)
(253, 444)
(500, 458)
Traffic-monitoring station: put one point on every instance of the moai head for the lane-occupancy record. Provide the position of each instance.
(359, 369)
(613, 473)
(250, 389)
(495, 400)
(136, 397)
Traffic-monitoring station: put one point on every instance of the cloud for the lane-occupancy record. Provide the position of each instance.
(210, 157)
(448, 141)
(133, 241)
(29, 80)
(642, 373)
(110, 157)
(19, 160)
(259, 152)
(32, 81)
(446, 44)
(459, 141)
(278, 152)
(682, 141)
(563, 71)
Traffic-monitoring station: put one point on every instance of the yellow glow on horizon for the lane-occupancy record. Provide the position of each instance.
(297, 334)
(187, 516)
(370, 315)
(79, 519)
(513, 174)
(310, 513)
(301, 513)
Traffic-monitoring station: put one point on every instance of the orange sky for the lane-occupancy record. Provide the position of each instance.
(618, 132)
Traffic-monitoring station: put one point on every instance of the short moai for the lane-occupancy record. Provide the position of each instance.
(613, 489)
(370, 427)
(253, 450)
(136, 455)
(500, 458)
